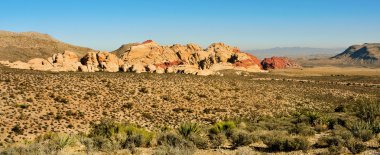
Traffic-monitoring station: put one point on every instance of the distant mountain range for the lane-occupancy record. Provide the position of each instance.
(295, 52)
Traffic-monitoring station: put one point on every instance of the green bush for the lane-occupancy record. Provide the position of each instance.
(355, 146)
(120, 135)
(328, 141)
(302, 129)
(222, 127)
(173, 140)
(241, 138)
(199, 141)
(217, 140)
(362, 130)
(188, 129)
(367, 110)
(278, 142)
(306, 117)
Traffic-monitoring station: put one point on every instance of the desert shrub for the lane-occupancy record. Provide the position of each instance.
(327, 141)
(199, 141)
(23, 106)
(302, 129)
(60, 141)
(173, 140)
(217, 140)
(355, 146)
(241, 138)
(222, 127)
(34, 148)
(87, 142)
(335, 150)
(367, 110)
(17, 129)
(108, 133)
(375, 127)
(306, 117)
(188, 129)
(281, 142)
(61, 99)
(342, 132)
(104, 144)
(362, 130)
(340, 108)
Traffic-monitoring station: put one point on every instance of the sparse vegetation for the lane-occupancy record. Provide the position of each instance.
(227, 112)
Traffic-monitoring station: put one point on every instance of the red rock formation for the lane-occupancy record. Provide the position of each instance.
(278, 63)
(248, 62)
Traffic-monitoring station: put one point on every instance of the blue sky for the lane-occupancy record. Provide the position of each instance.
(249, 24)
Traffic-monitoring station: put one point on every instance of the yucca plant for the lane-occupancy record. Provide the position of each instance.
(188, 129)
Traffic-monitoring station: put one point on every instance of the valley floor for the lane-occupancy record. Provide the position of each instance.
(34, 103)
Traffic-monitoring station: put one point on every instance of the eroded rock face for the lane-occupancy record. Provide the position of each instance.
(279, 63)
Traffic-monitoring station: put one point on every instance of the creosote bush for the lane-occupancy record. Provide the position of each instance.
(281, 142)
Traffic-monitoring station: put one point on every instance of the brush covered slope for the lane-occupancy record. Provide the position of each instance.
(27, 45)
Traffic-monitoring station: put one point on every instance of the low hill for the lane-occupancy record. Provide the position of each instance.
(23, 46)
(368, 53)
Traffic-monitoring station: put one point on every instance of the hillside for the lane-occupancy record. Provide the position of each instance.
(26, 45)
(368, 53)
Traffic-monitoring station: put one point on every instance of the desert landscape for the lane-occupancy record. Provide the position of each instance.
(242, 106)
(198, 77)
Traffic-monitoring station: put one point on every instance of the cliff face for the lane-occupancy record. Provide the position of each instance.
(364, 54)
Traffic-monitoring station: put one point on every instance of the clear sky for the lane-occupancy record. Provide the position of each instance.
(249, 24)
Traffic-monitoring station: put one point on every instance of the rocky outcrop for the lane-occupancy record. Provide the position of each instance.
(368, 53)
(151, 57)
(174, 58)
(279, 63)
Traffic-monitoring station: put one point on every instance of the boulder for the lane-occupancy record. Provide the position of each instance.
(40, 64)
(160, 70)
(138, 68)
(91, 61)
(126, 67)
(151, 68)
(169, 70)
(108, 62)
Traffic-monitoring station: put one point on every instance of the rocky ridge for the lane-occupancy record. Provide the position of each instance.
(149, 57)
(368, 53)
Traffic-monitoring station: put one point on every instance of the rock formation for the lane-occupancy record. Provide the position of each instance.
(368, 53)
(279, 63)
(151, 57)
(188, 59)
